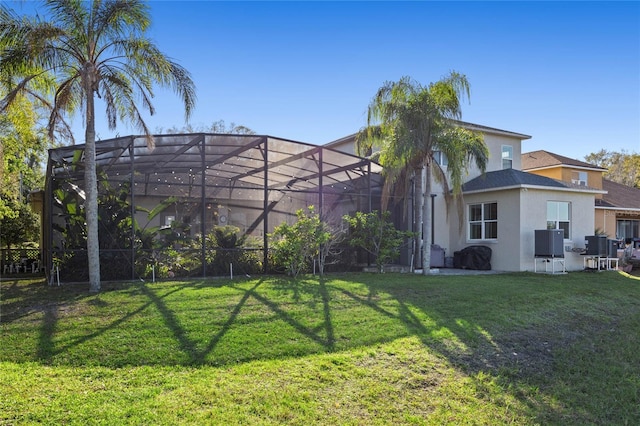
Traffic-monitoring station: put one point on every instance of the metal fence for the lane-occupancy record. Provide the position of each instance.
(21, 261)
(158, 208)
(117, 265)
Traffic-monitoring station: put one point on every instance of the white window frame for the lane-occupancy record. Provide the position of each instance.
(555, 216)
(440, 158)
(166, 219)
(507, 155)
(581, 177)
(482, 221)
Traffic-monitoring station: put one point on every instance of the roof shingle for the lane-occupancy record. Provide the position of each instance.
(539, 159)
(619, 196)
(512, 177)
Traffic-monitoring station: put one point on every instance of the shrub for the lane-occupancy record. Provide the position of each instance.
(295, 247)
(376, 234)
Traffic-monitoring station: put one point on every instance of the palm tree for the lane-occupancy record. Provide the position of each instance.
(91, 49)
(409, 124)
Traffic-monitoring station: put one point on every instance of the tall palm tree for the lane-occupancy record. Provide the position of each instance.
(409, 124)
(96, 48)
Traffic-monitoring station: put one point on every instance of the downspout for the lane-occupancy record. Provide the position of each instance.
(265, 208)
(203, 213)
(132, 209)
(433, 215)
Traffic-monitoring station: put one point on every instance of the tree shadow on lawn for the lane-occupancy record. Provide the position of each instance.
(528, 355)
(195, 350)
(20, 300)
(427, 312)
(466, 325)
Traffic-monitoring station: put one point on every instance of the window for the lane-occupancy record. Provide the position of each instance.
(440, 158)
(166, 220)
(483, 221)
(507, 156)
(579, 178)
(558, 216)
(627, 229)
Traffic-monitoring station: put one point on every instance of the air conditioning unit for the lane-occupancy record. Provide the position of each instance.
(596, 245)
(549, 243)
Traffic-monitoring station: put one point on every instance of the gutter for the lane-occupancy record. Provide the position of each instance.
(545, 188)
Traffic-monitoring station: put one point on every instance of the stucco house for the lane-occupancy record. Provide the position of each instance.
(617, 208)
(505, 205)
(254, 183)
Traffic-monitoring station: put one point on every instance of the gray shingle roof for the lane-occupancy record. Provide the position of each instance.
(510, 178)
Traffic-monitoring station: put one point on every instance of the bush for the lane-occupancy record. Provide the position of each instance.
(376, 234)
(295, 247)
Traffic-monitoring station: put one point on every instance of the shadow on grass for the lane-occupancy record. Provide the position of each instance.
(576, 344)
(519, 332)
(22, 298)
(324, 337)
(188, 346)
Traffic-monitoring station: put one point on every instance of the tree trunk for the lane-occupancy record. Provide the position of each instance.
(426, 218)
(91, 192)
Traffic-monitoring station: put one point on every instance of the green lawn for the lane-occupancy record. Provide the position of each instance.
(354, 349)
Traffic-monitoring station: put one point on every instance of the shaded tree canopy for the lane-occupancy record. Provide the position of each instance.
(622, 167)
(18, 224)
(23, 145)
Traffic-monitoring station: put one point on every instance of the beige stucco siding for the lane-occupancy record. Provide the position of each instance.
(565, 173)
(605, 221)
(553, 173)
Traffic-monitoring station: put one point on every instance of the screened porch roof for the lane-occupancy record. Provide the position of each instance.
(178, 164)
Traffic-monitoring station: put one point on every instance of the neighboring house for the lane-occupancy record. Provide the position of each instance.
(617, 208)
(505, 205)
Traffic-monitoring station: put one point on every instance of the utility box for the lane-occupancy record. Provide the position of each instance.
(596, 245)
(549, 243)
(437, 256)
(612, 248)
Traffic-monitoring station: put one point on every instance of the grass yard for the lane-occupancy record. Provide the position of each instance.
(353, 349)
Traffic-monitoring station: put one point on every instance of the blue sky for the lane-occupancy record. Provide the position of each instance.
(567, 74)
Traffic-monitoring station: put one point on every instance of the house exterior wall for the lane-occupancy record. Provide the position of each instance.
(565, 174)
(553, 173)
(534, 208)
(594, 179)
(495, 143)
(346, 145)
(443, 220)
(448, 233)
(520, 212)
(506, 248)
(605, 220)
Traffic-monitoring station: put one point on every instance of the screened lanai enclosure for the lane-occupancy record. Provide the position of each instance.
(195, 205)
